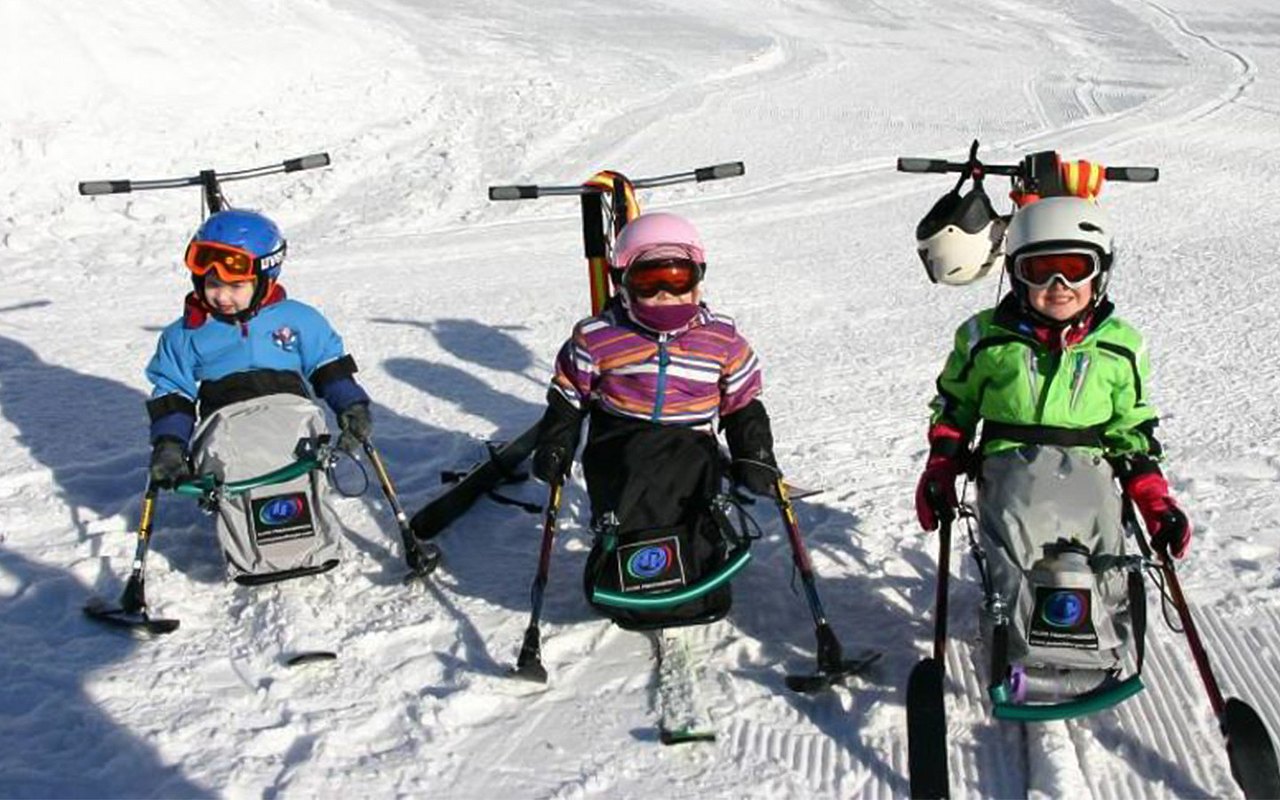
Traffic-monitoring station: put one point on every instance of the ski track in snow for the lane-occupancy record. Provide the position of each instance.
(422, 107)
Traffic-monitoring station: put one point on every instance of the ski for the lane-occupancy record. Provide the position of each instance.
(1249, 750)
(131, 611)
(801, 492)
(309, 657)
(136, 621)
(422, 558)
(824, 679)
(927, 731)
(501, 467)
(682, 716)
(927, 768)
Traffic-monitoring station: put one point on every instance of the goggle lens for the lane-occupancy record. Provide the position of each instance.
(1040, 270)
(231, 264)
(673, 275)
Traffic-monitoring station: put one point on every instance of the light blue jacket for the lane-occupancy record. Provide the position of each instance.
(287, 335)
(283, 335)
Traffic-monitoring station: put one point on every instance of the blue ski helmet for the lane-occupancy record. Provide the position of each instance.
(249, 231)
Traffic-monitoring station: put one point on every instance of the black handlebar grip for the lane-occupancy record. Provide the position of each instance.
(731, 169)
(307, 162)
(1133, 174)
(513, 192)
(924, 165)
(105, 187)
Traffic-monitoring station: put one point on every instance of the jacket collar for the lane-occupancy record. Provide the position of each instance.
(196, 312)
(1011, 316)
(617, 314)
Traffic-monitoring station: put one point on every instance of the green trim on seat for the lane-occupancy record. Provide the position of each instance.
(205, 485)
(717, 579)
(1092, 702)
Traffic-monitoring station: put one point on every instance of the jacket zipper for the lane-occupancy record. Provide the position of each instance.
(1046, 384)
(1077, 380)
(1033, 374)
(663, 361)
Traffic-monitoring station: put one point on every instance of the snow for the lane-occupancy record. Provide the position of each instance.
(454, 307)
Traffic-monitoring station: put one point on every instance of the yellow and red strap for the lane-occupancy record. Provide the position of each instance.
(598, 267)
(1083, 179)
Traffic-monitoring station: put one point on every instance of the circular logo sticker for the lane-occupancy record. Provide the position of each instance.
(649, 562)
(1065, 609)
(281, 510)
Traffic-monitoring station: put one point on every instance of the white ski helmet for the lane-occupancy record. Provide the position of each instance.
(1063, 224)
(961, 238)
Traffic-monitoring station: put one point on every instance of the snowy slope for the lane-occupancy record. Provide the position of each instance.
(455, 306)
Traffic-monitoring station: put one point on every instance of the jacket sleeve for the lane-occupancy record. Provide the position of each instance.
(320, 343)
(741, 380)
(327, 365)
(1130, 433)
(956, 405)
(172, 407)
(749, 433)
(171, 369)
(576, 375)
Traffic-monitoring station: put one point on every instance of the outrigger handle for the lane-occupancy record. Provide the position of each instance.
(925, 165)
(513, 192)
(200, 179)
(729, 169)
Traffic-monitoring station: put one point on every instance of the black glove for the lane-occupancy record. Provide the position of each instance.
(1173, 535)
(551, 463)
(558, 434)
(356, 425)
(169, 465)
(757, 478)
(750, 438)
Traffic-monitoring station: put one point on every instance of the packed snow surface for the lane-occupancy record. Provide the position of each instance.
(454, 308)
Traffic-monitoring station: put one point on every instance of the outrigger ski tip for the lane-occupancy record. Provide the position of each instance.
(309, 657)
(137, 621)
(824, 679)
(529, 663)
(425, 564)
(685, 736)
(532, 672)
(1249, 750)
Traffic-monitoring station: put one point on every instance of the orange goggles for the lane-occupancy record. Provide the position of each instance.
(231, 264)
(672, 275)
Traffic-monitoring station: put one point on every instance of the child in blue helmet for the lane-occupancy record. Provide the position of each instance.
(245, 361)
(239, 337)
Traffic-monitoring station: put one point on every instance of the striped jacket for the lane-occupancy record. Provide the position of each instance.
(684, 378)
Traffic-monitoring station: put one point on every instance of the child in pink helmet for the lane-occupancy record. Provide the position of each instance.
(653, 374)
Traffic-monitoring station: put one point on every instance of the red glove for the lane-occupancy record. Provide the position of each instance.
(940, 472)
(1169, 528)
(946, 445)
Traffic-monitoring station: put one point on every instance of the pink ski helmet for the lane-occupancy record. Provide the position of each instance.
(652, 237)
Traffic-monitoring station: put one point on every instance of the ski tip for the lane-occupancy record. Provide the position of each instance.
(157, 627)
(826, 679)
(532, 672)
(309, 657)
(416, 578)
(809, 684)
(1250, 751)
(134, 622)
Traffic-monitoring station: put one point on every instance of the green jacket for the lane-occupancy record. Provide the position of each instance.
(1091, 392)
